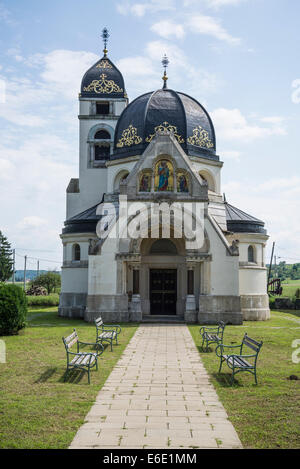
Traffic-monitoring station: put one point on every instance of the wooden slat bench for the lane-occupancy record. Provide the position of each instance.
(82, 360)
(106, 332)
(212, 335)
(240, 362)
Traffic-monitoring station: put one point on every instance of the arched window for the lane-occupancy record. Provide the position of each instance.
(121, 176)
(208, 179)
(76, 252)
(102, 150)
(251, 257)
(102, 135)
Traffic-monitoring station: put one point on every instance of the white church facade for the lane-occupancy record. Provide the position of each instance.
(158, 149)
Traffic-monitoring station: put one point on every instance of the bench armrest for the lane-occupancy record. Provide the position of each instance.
(203, 329)
(114, 327)
(222, 346)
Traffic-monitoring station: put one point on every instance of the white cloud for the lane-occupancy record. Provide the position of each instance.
(140, 9)
(230, 155)
(143, 74)
(32, 222)
(168, 28)
(64, 69)
(210, 26)
(232, 125)
(213, 3)
(281, 202)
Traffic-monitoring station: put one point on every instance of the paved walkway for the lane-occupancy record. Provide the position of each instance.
(158, 396)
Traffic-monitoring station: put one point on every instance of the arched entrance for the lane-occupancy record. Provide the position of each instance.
(162, 276)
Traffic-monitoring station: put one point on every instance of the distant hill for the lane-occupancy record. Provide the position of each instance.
(30, 274)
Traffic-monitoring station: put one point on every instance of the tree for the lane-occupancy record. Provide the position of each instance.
(6, 261)
(50, 280)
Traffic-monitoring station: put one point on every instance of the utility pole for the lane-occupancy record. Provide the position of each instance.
(25, 265)
(14, 266)
(270, 268)
(38, 268)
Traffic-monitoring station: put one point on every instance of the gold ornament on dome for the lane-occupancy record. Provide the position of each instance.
(104, 64)
(103, 86)
(166, 127)
(129, 137)
(200, 138)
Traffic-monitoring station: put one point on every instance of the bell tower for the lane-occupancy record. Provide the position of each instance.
(101, 102)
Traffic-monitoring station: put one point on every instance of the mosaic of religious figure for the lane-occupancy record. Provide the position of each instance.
(182, 185)
(164, 176)
(145, 182)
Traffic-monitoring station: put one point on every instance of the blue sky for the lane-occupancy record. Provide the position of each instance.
(239, 58)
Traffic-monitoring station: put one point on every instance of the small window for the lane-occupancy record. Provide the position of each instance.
(251, 254)
(102, 108)
(102, 135)
(102, 152)
(76, 252)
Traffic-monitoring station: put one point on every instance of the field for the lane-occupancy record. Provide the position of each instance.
(289, 287)
(267, 415)
(37, 409)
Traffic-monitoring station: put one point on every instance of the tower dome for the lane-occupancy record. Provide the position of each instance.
(162, 110)
(103, 79)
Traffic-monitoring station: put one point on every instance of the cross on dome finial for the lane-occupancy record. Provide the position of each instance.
(105, 35)
(165, 62)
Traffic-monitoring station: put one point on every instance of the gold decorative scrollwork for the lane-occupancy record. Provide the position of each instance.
(166, 127)
(104, 64)
(129, 137)
(103, 86)
(200, 138)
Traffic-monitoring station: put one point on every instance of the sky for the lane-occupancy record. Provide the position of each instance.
(239, 58)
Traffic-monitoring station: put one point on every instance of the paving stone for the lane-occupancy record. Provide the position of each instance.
(158, 396)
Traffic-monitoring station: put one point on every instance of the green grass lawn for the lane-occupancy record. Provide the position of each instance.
(267, 415)
(37, 408)
(289, 287)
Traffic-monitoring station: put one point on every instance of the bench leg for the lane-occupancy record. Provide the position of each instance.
(111, 348)
(221, 364)
(232, 377)
(89, 378)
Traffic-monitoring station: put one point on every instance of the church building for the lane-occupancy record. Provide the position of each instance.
(158, 149)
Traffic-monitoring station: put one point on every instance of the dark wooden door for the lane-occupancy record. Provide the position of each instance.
(163, 291)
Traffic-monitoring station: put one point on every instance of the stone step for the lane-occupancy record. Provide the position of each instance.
(156, 318)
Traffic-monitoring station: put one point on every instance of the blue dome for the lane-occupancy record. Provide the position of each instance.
(103, 80)
(165, 110)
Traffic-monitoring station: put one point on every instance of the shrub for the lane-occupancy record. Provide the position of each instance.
(13, 309)
(271, 302)
(297, 293)
(50, 300)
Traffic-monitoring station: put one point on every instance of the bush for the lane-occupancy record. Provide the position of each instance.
(13, 309)
(50, 300)
(271, 302)
(297, 293)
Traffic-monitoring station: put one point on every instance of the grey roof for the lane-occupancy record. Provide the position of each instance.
(241, 222)
(84, 222)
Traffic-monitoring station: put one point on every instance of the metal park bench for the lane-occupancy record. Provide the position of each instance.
(106, 332)
(82, 360)
(212, 335)
(239, 362)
